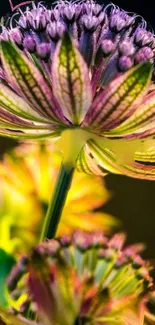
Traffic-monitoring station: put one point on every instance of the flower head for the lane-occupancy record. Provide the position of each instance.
(27, 177)
(83, 279)
(86, 68)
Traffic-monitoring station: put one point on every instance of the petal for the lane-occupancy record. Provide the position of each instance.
(100, 160)
(28, 135)
(17, 105)
(10, 319)
(10, 122)
(25, 77)
(146, 134)
(90, 221)
(71, 84)
(40, 284)
(8, 119)
(146, 154)
(122, 96)
(141, 121)
(139, 170)
(95, 160)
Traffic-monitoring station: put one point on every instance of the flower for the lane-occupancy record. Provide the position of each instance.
(83, 72)
(27, 176)
(82, 279)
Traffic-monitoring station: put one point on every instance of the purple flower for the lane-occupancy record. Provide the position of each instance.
(84, 72)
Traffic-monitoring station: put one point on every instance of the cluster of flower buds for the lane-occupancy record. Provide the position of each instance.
(85, 276)
(103, 34)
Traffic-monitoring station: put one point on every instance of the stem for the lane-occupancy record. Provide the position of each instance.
(70, 144)
(57, 202)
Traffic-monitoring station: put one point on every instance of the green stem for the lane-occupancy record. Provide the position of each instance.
(57, 202)
(70, 144)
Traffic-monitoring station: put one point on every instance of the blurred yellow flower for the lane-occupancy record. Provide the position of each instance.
(27, 175)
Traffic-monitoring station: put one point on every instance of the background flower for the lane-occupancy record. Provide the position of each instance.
(84, 279)
(27, 175)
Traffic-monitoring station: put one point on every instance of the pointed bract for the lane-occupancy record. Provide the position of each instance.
(141, 121)
(122, 96)
(98, 159)
(28, 80)
(70, 78)
(15, 104)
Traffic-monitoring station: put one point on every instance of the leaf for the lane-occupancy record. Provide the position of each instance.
(71, 84)
(122, 96)
(28, 81)
(6, 263)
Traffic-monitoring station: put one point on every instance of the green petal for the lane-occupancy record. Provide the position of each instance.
(71, 84)
(27, 80)
(93, 159)
(28, 135)
(139, 170)
(14, 122)
(17, 105)
(122, 96)
(97, 159)
(141, 121)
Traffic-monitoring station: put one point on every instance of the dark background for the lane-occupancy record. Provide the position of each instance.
(133, 200)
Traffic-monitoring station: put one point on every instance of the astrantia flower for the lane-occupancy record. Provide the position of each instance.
(85, 68)
(84, 279)
(27, 178)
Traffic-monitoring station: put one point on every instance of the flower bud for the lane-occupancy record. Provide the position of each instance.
(126, 48)
(142, 37)
(16, 35)
(90, 23)
(125, 63)
(44, 50)
(107, 47)
(29, 43)
(55, 30)
(144, 54)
